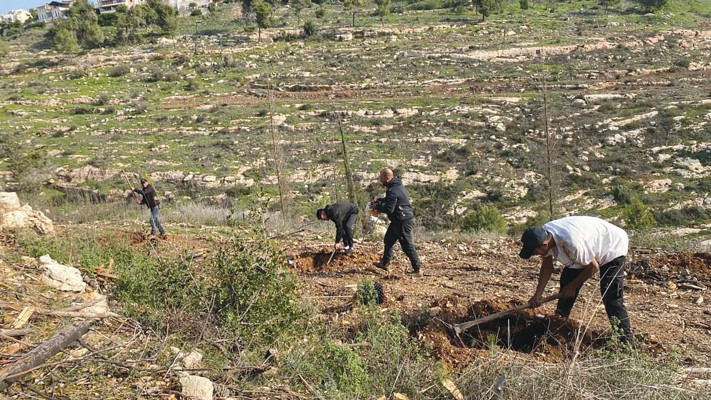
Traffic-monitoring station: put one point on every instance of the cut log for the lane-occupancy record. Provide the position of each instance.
(43, 352)
(23, 318)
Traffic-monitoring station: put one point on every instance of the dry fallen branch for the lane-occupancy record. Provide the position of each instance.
(15, 332)
(43, 352)
(76, 314)
(84, 305)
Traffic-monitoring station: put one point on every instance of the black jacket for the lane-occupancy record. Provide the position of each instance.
(149, 196)
(339, 213)
(396, 202)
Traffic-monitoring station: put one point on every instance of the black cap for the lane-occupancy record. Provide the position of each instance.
(143, 181)
(318, 213)
(532, 239)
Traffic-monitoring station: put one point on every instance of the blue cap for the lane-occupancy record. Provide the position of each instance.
(532, 239)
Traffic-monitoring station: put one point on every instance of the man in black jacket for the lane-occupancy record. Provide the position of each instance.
(343, 214)
(396, 205)
(149, 199)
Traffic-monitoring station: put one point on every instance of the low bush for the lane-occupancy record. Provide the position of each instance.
(623, 194)
(689, 216)
(118, 70)
(427, 5)
(310, 29)
(638, 216)
(484, 218)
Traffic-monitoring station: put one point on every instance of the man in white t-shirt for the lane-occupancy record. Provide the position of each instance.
(584, 245)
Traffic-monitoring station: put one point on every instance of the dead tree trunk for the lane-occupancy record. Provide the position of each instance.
(43, 352)
(347, 167)
(278, 156)
(549, 144)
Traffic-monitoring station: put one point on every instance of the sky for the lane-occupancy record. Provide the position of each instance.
(7, 5)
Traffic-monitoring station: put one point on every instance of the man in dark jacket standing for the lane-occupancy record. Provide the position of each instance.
(396, 205)
(149, 199)
(343, 214)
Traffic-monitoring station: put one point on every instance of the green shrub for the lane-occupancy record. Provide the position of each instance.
(366, 292)
(637, 216)
(376, 356)
(684, 217)
(320, 13)
(683, 63)
(255, 295)
(484, 218)
(623, 194)
(310, 29)
(4, 48)
(119, 70)
(193, 85)
(523, 4)
(427, 5)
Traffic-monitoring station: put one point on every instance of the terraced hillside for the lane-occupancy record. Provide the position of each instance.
(455, 104)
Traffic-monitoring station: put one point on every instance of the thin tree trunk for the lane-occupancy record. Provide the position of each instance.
(346, 165)
(281, 183)
(549, 146)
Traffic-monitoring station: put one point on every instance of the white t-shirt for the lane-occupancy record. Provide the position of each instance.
(581, 239)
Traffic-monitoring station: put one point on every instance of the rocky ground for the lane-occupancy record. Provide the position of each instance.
(666, 295)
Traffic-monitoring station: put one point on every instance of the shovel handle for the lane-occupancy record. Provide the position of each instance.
(459, 328)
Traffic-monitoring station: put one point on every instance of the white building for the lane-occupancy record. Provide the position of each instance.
(107, 6)
(183, 6)
(16, 15)
(54, 10)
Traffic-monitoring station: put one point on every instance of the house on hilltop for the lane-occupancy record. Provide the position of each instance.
(54, 10)
(184, 5)
(20, 16)
(108, 6)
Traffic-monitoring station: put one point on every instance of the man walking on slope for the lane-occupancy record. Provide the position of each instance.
(584, 245)
(343, 214)
(396, 205)
(149, 199)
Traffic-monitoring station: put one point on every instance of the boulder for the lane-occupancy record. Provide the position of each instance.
(376, 226)
(60, 276)
(13, 216)
(9, 202)
(196, 387)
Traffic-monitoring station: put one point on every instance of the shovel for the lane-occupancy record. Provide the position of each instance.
(459, 328)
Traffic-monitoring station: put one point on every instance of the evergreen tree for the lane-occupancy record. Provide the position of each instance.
(488, 7)
(353, 6)
(609, 3)
(297, 6)
(164, 17)
(653, 5)
(82, 19)
(383, 8)
(64, 39)
(80, 28)
(263, 13)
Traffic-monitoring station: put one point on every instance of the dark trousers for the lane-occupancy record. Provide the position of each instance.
(348, 230)
(401, 231)
(611, 286)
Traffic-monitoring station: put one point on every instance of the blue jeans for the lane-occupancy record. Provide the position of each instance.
(155, 222)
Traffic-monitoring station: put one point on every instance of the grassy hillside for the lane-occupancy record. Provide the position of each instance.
(453, 102)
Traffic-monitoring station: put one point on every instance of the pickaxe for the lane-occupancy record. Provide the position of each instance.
(459, 328)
